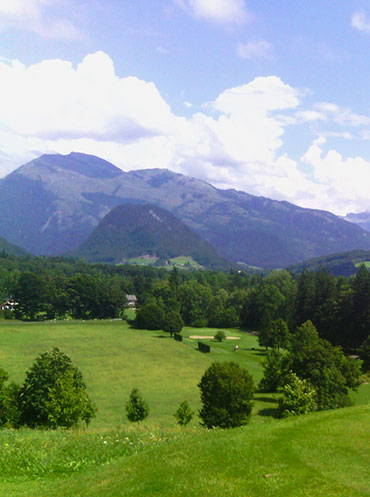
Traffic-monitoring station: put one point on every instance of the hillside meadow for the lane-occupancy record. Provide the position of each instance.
(318, 454)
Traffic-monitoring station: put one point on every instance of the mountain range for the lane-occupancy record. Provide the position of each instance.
(52, 204)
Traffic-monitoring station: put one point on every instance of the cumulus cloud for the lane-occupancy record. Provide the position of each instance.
(346, 180)
(254, 49)
(218, 11)
(360, 22)
(36, 16)
(236, 141)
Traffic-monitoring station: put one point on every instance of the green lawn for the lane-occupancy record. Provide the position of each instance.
(114, 358)
(321, 454)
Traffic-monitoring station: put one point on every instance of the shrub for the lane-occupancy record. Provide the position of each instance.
(136, 408)
(298, 397)
(220, 335)
(184, 413)
(226, 394)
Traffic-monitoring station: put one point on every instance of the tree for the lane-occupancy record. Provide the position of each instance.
(136, 408)
(173, 322)
(68, 403)
(149, 317)
(364, 351)
(275, 334)
(220, 335)
(30, 293)
(226, 394)
(9, 412)
(324, 366)
(184, 413)
(298, 397)
(51, 385)
(274, 371)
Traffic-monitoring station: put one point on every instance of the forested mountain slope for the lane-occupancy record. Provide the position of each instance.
(132, 230)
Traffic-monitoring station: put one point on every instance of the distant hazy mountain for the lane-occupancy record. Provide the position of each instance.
(362, 219)
(53, 203)
(133, 230)
(9, 248)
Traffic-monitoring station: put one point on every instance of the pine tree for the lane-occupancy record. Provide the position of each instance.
(136, 408)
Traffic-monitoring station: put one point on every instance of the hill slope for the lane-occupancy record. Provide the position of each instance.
(53, 203)
(342, 264)
(10, 248)
(305, 457)
(132, 230)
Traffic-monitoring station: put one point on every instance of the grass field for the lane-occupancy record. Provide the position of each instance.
(319, 454)
(115, 358)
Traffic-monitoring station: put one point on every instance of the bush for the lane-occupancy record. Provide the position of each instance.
(220, 335)
(184, 414)
(51, 387)
(298, 397)
(136, 408)
(226, 394)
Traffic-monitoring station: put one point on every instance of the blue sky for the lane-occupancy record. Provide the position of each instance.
(269, 97)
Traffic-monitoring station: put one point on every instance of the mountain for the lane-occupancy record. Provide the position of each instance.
(342, 264)
(9, 248)
(133, 230)
(362, 219)
(53, 203)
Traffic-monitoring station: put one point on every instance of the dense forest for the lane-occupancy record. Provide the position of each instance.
(57, 288)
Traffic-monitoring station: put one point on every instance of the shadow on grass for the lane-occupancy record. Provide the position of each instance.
(161, 336)
(271, 400)
(274, 413)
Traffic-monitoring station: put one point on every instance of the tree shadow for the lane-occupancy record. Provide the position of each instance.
(271, 400)
(161, 336)
(274, 413)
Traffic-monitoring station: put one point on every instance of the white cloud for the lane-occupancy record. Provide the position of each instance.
(360, 22)
(219, 11)
(254, 49)
(345, 180)
(341, 115)
(237, 141)
(35, 16)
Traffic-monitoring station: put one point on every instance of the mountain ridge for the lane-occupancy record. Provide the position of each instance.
(49, 207)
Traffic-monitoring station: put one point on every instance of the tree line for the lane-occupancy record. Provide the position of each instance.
(50, 288)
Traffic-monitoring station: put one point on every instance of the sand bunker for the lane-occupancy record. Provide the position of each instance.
(201, 337)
